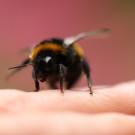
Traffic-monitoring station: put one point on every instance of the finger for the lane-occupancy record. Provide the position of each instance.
(67, 123)
(118, 98)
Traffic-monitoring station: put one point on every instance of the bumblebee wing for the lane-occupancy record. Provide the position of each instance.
(70, 40)
(27, 50)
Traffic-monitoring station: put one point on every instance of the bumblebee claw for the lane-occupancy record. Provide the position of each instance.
(35, 90)
(91, 92)
(61, 90)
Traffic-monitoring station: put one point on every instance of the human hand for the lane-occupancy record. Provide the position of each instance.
(110, 111)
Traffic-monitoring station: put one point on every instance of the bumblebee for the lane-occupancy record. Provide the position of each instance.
(59, 60)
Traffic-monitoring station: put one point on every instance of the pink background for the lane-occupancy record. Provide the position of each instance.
(26, 22)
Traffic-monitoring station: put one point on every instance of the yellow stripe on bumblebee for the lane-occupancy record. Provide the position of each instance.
(47, 46)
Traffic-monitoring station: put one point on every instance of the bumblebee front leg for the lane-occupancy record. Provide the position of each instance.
(36, 80)
(37, 85)
(86, 70)
(62, 69)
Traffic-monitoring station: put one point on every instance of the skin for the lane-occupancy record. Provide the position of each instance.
(110, 111)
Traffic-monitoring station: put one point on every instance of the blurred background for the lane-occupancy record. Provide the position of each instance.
(24, 23)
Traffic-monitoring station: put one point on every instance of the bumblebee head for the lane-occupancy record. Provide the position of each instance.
(49, 64)
(46, 65)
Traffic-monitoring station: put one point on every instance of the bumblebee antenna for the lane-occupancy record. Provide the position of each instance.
(21, 66)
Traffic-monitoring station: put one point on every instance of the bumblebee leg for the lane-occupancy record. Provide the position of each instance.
(62, 76)
(36, 80)
(37, 85)
(86, 70)
(26, 61)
